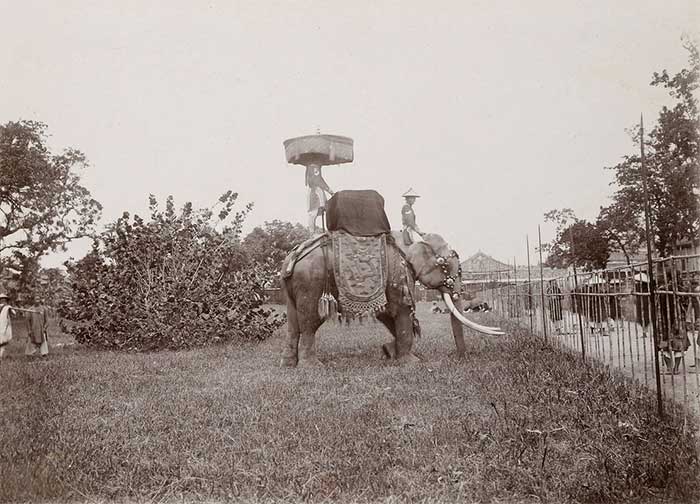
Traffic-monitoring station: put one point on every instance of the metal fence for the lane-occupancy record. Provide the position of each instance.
(617, 318)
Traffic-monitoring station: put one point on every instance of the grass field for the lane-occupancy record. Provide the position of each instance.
(516, 422)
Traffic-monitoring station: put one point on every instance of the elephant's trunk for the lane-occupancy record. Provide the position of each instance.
(456, 314)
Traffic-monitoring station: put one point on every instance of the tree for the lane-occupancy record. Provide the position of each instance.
(621, 227)
(270, 244)
(177, 280)
(43, 206)
(672, 163)
(577, 242)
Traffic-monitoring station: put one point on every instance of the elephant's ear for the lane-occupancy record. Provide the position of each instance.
(422, 259)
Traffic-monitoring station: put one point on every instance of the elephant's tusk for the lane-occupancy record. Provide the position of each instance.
(493, 331)
(468, 322)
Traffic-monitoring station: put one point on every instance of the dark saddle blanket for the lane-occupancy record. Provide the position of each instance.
(360, 270)
(359, 213)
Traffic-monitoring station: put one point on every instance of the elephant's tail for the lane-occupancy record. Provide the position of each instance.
(292, 320)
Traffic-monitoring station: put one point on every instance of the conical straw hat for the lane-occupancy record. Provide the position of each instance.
(410, 194)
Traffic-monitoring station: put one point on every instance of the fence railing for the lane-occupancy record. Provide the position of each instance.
(607, 315)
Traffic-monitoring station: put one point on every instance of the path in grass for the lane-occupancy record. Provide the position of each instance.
(516, 422)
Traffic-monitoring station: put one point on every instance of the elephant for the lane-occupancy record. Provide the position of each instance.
(431, 262)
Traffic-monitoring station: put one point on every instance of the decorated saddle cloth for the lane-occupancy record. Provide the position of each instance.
(360, 271)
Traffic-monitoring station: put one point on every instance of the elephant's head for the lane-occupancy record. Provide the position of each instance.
(437, 266)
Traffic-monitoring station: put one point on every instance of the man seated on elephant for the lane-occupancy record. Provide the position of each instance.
(411, 233)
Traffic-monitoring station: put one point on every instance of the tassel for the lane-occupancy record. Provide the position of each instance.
(416, 327)
(407, 299)
(327, 306)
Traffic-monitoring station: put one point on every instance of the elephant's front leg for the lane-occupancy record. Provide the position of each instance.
(404, 336)
(389, 349)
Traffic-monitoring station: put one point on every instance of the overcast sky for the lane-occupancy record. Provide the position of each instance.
(494, 112)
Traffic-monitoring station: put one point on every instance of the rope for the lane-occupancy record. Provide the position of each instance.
(26, 310)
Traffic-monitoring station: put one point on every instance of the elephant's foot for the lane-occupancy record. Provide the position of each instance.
(457, 355)
(389, 350)
(310, 362)
(408, 359)
(288, 361)
(390, 353)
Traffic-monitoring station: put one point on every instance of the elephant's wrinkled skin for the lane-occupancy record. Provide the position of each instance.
(305, 287)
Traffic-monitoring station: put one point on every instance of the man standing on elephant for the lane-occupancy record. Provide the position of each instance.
(411, 233)
(316, 192)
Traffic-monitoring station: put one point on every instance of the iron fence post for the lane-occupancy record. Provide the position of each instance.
(529, 284)
(544, 319)
(650, 266)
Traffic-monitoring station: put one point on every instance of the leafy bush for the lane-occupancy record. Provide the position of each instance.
(175, 281)
(269, 245)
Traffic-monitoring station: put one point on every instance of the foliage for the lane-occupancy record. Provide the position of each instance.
(269, 245)
(43, 206)
(673, 168)
(49, 286)
(174, 281)
(622, 228)
(577, 242)
(672, 164)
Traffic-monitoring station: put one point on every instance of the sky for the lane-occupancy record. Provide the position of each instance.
(494, 112)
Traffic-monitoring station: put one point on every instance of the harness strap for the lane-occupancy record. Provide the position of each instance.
(327, 304)
(391, 241)
(329, 266)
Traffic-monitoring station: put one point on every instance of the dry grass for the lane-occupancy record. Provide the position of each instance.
(516, 422)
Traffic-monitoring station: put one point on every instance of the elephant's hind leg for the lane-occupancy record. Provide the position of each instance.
(307, 349)
(290, 354)
(309, 322)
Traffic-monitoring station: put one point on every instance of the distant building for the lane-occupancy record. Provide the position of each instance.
(689, 251)
(482, 268)
(617, 259)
